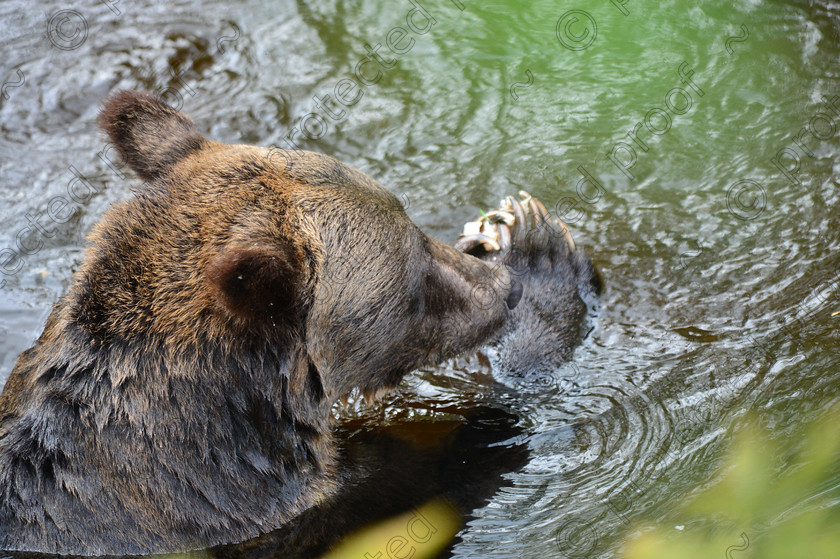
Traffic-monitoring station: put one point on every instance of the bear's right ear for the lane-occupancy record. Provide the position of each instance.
(256, 283)
(149, 135)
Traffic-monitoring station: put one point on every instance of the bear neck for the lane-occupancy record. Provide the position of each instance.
(150, 446)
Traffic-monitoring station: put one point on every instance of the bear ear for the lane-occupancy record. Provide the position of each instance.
(150, 136)
(256, 283)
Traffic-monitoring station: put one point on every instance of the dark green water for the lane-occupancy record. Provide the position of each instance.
(720, 264)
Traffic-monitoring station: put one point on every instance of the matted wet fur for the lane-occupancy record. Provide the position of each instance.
(179, 395)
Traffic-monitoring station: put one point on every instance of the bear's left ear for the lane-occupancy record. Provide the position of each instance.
(150, 136)
(257, 283)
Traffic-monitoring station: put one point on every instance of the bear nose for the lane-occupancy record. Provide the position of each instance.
(515, 294)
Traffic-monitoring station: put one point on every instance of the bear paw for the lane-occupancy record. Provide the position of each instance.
(560, 287)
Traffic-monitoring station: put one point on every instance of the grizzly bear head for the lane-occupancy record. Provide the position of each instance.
(294, 249)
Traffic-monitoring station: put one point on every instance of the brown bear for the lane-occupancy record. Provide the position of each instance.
(180, 394)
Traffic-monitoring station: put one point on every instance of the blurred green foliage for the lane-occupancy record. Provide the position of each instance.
(774, 501)
(420, 534)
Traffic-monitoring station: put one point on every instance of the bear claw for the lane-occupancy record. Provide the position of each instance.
(496, 230)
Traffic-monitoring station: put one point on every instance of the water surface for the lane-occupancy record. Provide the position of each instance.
(720, 265)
